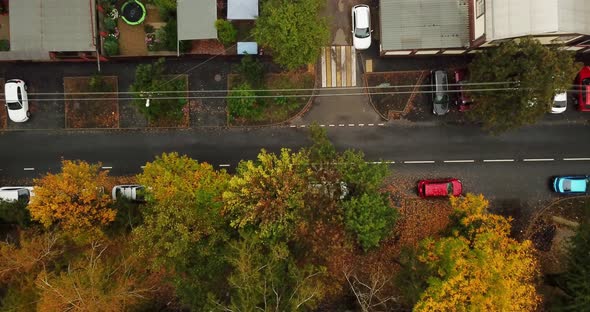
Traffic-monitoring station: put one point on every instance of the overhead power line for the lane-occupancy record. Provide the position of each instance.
(266, 96)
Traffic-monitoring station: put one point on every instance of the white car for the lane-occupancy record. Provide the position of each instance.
(17, 102)
(361, 27)
(16, 193)
(559, 103)
(131, 192)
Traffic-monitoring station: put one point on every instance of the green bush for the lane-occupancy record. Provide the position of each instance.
(226, 32)
(251, 71)
(149, 79)
(97, 83)
(166, 8)
(15, 213)
(244, 105)
(110, 24)
(370, 218)
(111, 46)
(170, 36)
(4, 45)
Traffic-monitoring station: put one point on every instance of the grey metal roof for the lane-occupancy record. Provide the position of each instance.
(509, 19)
(242, 9)
(424, 24)
(52, 25)
(196, 19)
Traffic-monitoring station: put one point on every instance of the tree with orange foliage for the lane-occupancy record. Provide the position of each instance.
(73, 199)
(478, 267)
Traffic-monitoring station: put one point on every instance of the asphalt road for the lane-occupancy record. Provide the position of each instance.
(513, 165)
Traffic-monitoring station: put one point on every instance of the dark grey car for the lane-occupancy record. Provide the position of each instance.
(439, 83)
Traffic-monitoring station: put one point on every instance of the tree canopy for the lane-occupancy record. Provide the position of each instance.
(73, 199)
(477, 267)
(292, 30)
(532, 72)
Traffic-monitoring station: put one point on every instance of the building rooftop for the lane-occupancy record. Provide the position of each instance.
(424, 24)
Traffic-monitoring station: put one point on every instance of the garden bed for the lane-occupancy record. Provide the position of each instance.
(279, 109)
(170, 122)
(395, 103)
(91, 113)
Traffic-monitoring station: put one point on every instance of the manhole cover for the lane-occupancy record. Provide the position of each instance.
(217, 77)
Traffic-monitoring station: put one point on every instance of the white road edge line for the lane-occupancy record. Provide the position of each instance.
(371, 125)
(361, 125)
(331, 125)
(340, 125)
(381, 124)
(29, 169)
(224, 165)
(419, 162)
(538, 159)
(351, 125)
(580, 158)
(107, 167)
(498, 160)
(459, 161)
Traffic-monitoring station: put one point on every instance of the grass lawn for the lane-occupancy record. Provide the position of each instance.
(285, 105)
(82, 113)
(396, 102)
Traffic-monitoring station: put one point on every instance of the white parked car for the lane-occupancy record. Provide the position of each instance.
(131, 192)
(17, 102)
(16, 193)
(361, 27)
(559, 103)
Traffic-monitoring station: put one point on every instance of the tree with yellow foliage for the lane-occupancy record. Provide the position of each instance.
(478, 267)
(73, 199)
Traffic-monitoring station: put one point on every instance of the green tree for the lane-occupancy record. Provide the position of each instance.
(150, 82)
(535, 72)
(370, 218)
(576, 280)
(226, 32)
(184, 206)
(293, 30)
(478, 267)
(15, 213)
(269, 279)
(360, 175)
(243, 103)
(267, 197)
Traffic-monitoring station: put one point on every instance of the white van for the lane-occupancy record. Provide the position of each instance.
(16, 193)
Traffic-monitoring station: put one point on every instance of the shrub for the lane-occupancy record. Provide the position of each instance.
(111, 46)
(244, 104)
(4, 45)
(169, 37)
(97, 83)
(251, 71)
(226, 32)
(110, 24)
(370, 218)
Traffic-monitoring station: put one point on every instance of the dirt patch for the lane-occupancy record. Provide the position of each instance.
(286, 103)
(82, 113)
(393, 93)
(207, 46)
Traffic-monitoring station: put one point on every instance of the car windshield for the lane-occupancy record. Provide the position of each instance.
(586, 81)
(559, 103)
(362, 32)
(441, 98)
(567, 185)
(14, 105)
(450, 187)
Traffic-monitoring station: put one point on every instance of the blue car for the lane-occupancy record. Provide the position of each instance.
(571, 184)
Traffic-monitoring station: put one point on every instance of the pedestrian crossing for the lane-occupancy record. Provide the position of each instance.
(338, 67)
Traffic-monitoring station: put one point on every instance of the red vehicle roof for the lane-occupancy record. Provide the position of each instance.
(443, 187)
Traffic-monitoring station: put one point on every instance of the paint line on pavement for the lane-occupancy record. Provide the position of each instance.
(361, 125)
(351, 125)
(459, 161)
(381, 124)
(142, 167)
(577, 159)
(340, 125)
(302, 126)
(419, 162)
(224, 165)
(538, 159)
(28, 169)
(107, 167)
(331, 125)
(498, 160)
(370, 125)
(322, 125)
(293, 126)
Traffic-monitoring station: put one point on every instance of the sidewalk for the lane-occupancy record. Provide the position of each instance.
(203, 74)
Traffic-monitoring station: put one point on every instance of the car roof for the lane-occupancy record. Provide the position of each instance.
(362, 16)
(10, 91)
(437, 188)
(578, 185)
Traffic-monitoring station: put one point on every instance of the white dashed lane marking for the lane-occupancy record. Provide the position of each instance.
(539, 159)
(419, 162)
(28, 169)
(498, 160)
(459, 161)
(107, 167)
(224, 165)
(577, 159)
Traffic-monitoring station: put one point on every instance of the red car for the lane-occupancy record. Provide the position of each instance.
(583, 89)
(462, 100)
(440, 187)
